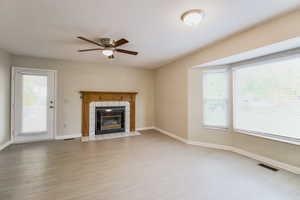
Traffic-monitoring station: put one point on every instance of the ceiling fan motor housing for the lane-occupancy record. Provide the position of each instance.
(106, 41)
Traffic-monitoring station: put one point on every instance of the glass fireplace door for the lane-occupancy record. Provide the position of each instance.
(110, 120)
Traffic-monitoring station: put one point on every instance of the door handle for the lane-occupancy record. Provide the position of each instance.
(51, 106)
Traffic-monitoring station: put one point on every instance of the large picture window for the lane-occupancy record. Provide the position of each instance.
(215, 97)
(267, 98)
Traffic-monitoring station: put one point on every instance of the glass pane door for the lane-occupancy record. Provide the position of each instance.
(34, 105)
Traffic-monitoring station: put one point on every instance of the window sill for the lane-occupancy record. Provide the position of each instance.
(224, 129)
(270, 136)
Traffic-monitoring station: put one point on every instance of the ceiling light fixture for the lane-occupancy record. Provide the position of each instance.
(192, 17)
(108, 52)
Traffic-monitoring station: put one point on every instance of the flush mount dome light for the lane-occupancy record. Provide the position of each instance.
(192, 17)
(108, 52)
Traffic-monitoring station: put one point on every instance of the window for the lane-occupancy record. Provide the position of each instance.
(267, 98)
(215, 99)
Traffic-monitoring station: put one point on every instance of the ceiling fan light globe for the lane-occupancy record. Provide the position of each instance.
(108, 52)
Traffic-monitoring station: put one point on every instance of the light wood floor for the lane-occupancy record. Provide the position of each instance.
(147, 167)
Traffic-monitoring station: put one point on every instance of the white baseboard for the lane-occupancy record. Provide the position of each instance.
(210, 145)
(63, 137)
(266, 160)
(171, 135)
(6, 144)
(263, 159)
(145, 128)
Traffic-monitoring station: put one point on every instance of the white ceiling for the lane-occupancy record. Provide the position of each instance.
(48, 28)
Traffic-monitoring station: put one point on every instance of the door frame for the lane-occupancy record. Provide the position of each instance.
(14, 70)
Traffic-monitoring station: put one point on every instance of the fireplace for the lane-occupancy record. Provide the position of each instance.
(101, 99)
(109, 119)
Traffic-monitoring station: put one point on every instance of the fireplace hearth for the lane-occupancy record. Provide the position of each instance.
(109, 119)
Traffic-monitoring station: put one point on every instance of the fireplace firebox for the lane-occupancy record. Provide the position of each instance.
(110, 120)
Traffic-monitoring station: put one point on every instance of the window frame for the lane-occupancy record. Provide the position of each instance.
(224, 69)
(254, 62)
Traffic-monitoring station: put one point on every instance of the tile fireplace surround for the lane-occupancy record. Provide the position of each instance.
(93, 99)
(93, 106)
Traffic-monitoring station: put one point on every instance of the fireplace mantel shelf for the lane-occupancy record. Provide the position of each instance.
(98, 96)
(107, 92)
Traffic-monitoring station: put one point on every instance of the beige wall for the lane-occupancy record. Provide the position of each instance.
(178, 87)
(170, 99)
(5, 63)
(74, 77)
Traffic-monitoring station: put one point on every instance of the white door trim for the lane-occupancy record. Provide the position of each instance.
(13, 75)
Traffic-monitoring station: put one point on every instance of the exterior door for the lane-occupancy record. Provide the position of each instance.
(33, 104)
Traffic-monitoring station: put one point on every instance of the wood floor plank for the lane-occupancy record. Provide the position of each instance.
(150, 166)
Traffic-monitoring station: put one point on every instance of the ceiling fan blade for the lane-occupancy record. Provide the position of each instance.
(96, 49)
(111, 57)
(120, 42)
(90, 41)
(127, 52)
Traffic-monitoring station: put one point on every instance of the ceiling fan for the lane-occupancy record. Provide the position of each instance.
(108, 46)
